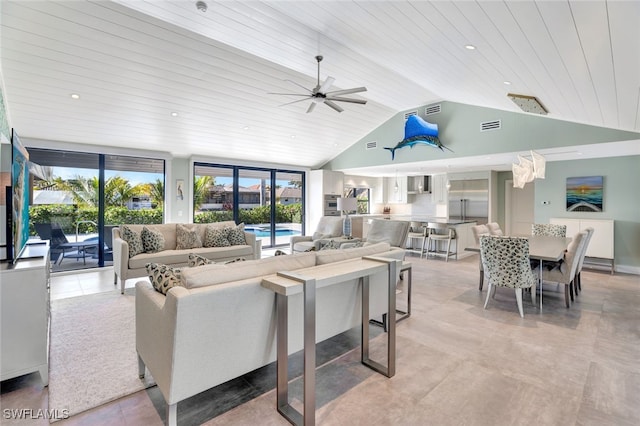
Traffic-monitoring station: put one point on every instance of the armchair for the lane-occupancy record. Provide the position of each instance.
(393, 232)
(328, 227)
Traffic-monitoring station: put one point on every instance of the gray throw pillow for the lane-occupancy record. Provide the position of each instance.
(133, 239)
(152, 241)
(164, 277)
(187, 238)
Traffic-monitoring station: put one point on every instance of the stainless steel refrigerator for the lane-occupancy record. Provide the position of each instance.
(469, 200)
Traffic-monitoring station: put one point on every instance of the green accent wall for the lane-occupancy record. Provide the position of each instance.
(621, 199)
(459, 130)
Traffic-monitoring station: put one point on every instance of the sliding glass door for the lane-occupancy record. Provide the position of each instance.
(268, 201)
(80, 197)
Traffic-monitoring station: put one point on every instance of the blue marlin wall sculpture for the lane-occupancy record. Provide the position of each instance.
(418, 132)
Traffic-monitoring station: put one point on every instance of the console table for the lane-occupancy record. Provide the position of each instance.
(306, 281)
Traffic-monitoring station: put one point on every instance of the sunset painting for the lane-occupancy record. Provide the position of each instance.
(584, 194)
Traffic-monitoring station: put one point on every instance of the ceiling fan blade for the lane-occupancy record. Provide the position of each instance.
(351, 100)
(311, 107)
(327, 83)
(289, 94)
(299, 85)
(332, 105)
(294, 102)
(346, 91)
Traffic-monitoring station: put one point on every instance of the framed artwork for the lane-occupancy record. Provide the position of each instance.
(584, 194)
(180, 189)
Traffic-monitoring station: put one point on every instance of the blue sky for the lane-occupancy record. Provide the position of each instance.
(134, 178)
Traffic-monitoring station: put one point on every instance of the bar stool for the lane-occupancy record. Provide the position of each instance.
(417, 231)
(441, 232)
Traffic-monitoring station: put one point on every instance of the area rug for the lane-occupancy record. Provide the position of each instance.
(92, 354)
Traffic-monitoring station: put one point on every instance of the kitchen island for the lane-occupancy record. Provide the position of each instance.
(464, 235)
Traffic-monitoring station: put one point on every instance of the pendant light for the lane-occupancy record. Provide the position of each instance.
(396, 188)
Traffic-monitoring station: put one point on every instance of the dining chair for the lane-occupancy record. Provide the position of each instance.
(549, 229)
(477, 231)
(565, 272)
(506, 261)
(577, 284)
(494, 228)
(417, 231)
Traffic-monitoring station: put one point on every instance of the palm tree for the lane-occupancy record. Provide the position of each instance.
(118, 190)
(156, 192)
(84, 190)
(201, 186)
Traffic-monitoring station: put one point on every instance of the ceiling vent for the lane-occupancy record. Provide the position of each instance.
(490, 125)
(372, 145)
(432, 109)
(409, 114)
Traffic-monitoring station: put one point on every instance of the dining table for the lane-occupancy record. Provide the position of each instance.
(543, 248)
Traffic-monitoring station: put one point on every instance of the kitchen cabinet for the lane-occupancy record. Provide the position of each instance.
(439, 189)
(331, 182)
(321, 183)
(400, 196)
(24, 298)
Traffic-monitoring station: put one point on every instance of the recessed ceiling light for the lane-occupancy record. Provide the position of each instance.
(293, 136)
(174, 114)
(245, 128)
(470, 47)
(201, 6)
(75, 96)
(508, 83)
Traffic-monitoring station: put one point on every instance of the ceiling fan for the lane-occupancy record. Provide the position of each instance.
(319, 94)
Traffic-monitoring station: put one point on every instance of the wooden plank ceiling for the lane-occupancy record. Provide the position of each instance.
(134, 63)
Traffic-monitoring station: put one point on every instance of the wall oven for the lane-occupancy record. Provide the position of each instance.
(331, 205)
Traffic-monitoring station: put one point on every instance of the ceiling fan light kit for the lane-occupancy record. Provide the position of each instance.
(319, 94)
(528, 103)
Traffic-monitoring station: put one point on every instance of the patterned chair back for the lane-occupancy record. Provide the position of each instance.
(506, 261)
(549, 229)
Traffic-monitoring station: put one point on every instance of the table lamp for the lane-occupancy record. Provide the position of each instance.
(347, 205)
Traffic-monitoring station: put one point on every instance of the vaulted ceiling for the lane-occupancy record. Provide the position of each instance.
(133, 63)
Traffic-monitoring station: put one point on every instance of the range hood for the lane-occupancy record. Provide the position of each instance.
(419, 185)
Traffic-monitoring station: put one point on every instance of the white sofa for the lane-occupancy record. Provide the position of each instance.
(223, 323)
(125, 267)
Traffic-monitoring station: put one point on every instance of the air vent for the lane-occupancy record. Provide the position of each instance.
(372, 145)
(409, 114)
(490, 125)
(433, 109)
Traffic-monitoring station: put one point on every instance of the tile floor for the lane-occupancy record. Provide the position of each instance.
(457, 363)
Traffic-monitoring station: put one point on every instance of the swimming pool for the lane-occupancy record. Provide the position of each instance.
(281, 232)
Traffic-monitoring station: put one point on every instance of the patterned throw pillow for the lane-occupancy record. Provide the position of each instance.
(238, 259)
(187, 238)
(216, 237)
(197, 260)
(152, 241)
(236, 235)
(331, 245)
(164, 277)
(133, 239)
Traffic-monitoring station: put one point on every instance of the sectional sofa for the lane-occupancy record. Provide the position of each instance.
(222, 323)
(128, 264)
